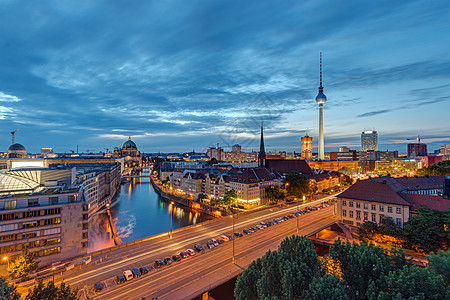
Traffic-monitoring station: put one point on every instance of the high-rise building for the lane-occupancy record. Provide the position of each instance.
(236, 148)
(417, 149)
(321, 99)
(369, 141)
(306, 146)
(215, 152)
(445, 150)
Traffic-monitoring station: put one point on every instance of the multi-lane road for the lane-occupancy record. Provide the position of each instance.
(195, 274)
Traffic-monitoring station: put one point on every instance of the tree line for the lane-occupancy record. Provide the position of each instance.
(350, 271)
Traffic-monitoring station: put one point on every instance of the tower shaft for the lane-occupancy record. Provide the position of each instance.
(321, 154)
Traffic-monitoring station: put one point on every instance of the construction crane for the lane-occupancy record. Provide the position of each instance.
(12, 133)
(418, 139)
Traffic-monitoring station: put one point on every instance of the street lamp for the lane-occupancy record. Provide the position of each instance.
(53, 270)
(6, 258)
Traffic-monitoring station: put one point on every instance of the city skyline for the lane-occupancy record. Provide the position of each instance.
(178, 77)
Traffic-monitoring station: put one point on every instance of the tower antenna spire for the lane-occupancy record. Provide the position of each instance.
(320, 68)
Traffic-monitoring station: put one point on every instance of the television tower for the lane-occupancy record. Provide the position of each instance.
(321, 99)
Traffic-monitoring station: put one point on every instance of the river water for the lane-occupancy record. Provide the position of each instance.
(138, 212)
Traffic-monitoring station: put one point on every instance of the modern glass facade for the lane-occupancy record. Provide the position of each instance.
(369, 141)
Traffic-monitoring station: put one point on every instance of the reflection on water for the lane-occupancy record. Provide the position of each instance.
(139, 212)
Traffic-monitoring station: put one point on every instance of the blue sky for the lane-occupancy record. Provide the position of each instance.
(184, 75)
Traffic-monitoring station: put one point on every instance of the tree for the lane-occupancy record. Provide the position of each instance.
(345, 180)
(156, 162)
(440, 264)
(298, 185)
(426, 231)
(410, 283)
(326, 287)
(367, 230)
(201, 197)
(23, 264)
(229, 198)
(275, 193)
(8, 291)
(441, 168)
(51, 292)
(283, 274)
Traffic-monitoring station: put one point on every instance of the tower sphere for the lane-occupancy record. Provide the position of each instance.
(321, 98)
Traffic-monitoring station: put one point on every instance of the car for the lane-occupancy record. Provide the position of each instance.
(259, 226)
(230, 236)
(176, 257)
(98, 287)
(159, 263)
(246, 231)
(199, 247)
(253, 229)
(128, 274)
(210, 245)
(136, 272)
(120, 279)
(238, 234)
(184, 254)
(220, 241)
(167, 260)
(215, 242)
(262, 223)
(190, 252)
(143, 270)
(224, 238)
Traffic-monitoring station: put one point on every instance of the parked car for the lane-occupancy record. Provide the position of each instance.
(136, 272)
(128, 275)
(176, 257)
(230, 236)
(143, 270)
(98, 287)
(190, 252)
(159, 263)
(224, 238)
(253, 229)
(246, 231)
(167, 260)
(220, 241)
(210, 245)
(120, 279)
(215, 242)
(259, 227)
(184, 254)
(199, 247)
(238, 234)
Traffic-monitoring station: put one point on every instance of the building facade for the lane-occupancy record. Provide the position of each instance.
(306, 146)
(369, 141)
(417, 149)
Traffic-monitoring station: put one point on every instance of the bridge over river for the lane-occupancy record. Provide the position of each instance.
(196, 274)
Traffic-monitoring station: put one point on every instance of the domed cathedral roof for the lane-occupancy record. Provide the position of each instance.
(16, 148)
(128, 145)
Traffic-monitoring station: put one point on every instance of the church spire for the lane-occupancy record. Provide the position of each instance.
(262, 151)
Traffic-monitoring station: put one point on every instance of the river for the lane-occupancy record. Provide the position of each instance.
(138, 211)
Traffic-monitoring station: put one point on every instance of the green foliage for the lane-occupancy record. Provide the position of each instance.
(230, 197)
(428, 230)
(367, 230)
(410, 283)
(275, 193)
(201, 197)
(440, 264)
(298, 185)
(8, 291)
(52, 292)
(23, 265)
(284, 274)
(156, 164)
(345, 180)
(326, 287)
(441, 168)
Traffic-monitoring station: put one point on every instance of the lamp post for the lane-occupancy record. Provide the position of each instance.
(53, 271)
(6, 258)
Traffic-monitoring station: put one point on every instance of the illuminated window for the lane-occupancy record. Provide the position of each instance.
(10, 204)
(398, 210)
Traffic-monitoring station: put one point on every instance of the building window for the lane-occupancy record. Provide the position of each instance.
(344, 213)
(344, 203)
(52, 221)
(52, 251)
(85, 217)
(358, 215)
(374, 207)
(85, 226)
(366, 216)
(381, 218)
(358, 205)
(350, 203)
(381, 208)
(366, 206)
(72, 199)
(350, 213)
(374, 218)
(53, 200)
(85, 235)
(85, 207)
(10, 204)
(52, 231)
(84, 244)
(33, 202)
(389, 209)
(398, 210)
(9, 227)
(399, 222)
(30, 224)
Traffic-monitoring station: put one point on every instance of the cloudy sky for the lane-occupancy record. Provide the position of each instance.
(184, 75)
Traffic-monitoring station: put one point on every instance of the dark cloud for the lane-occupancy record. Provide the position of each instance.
(373, 113)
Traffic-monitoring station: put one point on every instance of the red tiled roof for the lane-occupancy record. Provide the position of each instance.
(412, 183)
(369, 190)
(432, 201)
(288, 165)
(249, 175)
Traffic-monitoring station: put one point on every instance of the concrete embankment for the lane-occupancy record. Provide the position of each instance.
(115, 236)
